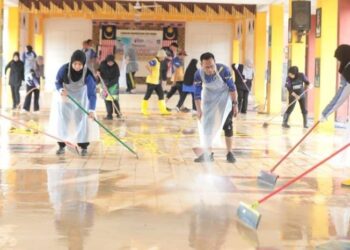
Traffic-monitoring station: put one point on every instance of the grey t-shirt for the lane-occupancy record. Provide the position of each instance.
(130, 54)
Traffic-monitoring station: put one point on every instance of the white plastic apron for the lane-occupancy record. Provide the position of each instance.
(216, 105)
(67, 121)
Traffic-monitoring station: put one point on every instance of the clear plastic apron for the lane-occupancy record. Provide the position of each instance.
(67, 121)
(216, 105)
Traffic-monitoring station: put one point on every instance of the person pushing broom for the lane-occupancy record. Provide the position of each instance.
(342, 54)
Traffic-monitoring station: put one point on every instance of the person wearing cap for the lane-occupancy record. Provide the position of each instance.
(342, 54)
(178, 78)
(67, 121)
(153, 81)
(297, 83)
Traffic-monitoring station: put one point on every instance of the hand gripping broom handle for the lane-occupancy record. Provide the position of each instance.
(295, 146)
(106, 89)
(102, 126)
(290, 104)
(302, 175)
(72, 145)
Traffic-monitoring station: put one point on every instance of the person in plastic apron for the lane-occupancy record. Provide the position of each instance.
(342, 54)
(216, 103)
(67, 121)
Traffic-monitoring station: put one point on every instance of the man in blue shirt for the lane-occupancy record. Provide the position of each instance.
(216, 103)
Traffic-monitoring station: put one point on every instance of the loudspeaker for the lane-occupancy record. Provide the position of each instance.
(301, 15)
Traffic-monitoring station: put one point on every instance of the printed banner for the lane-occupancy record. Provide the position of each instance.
(145, 42)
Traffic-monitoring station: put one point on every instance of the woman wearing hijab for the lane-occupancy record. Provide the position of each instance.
(342, 54)
(242, 89)
(109, 72)
(296, 84)
(16, 67)
(67, 121)
(188, 86)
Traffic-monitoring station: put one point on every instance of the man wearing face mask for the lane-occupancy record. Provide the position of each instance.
(296, 84)
(216, 103)
(67, 121)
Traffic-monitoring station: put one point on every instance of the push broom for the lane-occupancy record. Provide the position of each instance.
(266, 123)
(70, 145)
(102, 126)
(268, 177)
(248, 213)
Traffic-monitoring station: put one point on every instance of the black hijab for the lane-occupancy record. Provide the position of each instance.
(294, 70)
(79, 56)
(110, 74)
(342, 53)
(190, 71)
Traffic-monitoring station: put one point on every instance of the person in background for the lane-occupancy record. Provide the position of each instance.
(296, 84)
(16, 67)
(242, 88)
(109, 72)
(153, 81)
(28, 58)
(132, 67)
(178, 78)
(188, 86)
(248, 75)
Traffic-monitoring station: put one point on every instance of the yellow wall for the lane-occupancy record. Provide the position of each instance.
(325, 47)
(13, 31)
(260, 58)
(39, 37)
(276, 58)
(297, 55)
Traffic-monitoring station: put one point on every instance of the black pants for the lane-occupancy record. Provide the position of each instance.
(243, 100)
(83, 145)
(183, 96)
(174, 88)
(228, 127)
(109, 108)
(130, 81)
(158, 88)
(16, 98)
(302, 103)
(28, 98)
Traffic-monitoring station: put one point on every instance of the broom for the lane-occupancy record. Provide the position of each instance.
(248, 213)
(69, 144)
(102, 126)
(266, 123)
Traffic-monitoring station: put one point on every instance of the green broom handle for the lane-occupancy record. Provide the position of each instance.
(102, 126)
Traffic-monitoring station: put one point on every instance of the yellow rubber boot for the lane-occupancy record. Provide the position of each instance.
(162, 108)
(346, 183)
(144, 107)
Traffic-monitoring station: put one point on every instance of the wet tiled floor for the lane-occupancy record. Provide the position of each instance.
(163, 200)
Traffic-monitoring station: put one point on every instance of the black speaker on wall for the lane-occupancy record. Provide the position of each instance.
(301, 15)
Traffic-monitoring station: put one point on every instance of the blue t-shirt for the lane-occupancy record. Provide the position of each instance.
(225, 75)
(89, 81)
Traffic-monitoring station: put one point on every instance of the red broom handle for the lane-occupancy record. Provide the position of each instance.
(303, 174)
(73, 145)
(296, 145)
